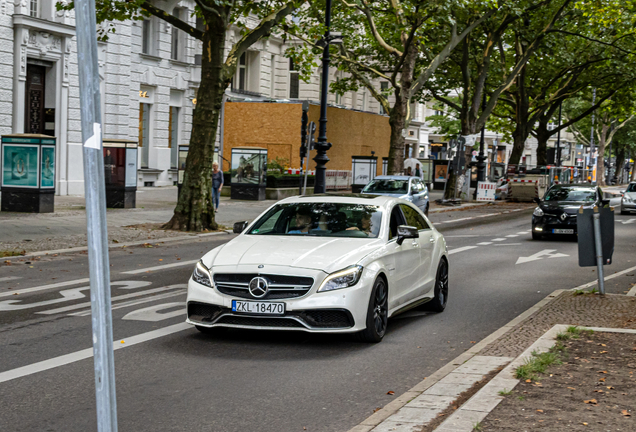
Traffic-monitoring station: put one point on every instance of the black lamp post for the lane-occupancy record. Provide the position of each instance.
(558, 147)
(322, 145)
(481, 158)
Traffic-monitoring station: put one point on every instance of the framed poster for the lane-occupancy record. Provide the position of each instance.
(131, 167)
(441, 172)
(20, 165)
(249, 165)
(47, 177)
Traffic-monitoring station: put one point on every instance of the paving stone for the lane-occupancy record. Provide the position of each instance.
(393, 426)
(482, 402)
(461, 378)
(461, 421)
(448, 389)
(431, 402)
(407, 414)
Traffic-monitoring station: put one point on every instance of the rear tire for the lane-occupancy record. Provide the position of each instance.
(377, 313)
(438, 304)
(426, 210)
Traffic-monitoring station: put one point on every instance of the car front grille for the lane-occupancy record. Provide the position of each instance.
(259, 321)
(327, 318)
(279, 286)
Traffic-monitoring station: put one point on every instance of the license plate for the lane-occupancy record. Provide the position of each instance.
(263, 308)
(562, 231)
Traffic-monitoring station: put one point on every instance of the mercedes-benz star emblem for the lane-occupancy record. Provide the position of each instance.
(564, 216)
(261, 266)
(258, 287)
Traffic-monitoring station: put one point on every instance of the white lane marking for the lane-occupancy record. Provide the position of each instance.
(484, 243)
(547, 253)
(489, 214)
(522, 232)
(161, 267)
(461, 249)
(498, 239)
(44, 287)
(508, 244)
(467, 235)
(9, 278)
(151, 314)
(88, 353)
(632, 292)
(133, 302)
(120, 297)
(628, 221)
(512, 235)
(67, 295)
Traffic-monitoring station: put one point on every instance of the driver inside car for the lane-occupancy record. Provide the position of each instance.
(303, 221)
(365, 224)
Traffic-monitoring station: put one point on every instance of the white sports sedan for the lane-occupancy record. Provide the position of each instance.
(323, 263)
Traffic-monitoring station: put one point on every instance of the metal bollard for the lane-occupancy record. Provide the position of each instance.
(599, 250)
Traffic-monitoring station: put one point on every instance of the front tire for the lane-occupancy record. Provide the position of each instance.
(438, 304)
(377, 313)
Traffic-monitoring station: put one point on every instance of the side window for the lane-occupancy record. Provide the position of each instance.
(413, 218)
(415, 186)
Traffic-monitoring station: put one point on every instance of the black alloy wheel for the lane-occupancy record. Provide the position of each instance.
(438, 303)
(377, 313)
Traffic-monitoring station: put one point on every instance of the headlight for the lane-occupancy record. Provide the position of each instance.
(341, 279)
(201, 275)
(626, 199)
(538, 212)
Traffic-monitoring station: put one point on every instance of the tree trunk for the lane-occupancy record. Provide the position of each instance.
(195, 210)
(543, 135)
(399, 114)
(600, 160)
(633, 177)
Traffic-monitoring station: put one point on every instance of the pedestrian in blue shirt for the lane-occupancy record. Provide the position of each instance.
(217, 184)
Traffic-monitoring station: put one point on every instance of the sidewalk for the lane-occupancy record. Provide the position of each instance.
(459, 396)
(66, 226)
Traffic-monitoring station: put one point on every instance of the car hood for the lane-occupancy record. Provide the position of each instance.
(569, 207)
(319, 253)
(631, 195)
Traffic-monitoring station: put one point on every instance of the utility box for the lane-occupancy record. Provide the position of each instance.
(28, 173)
(120, 173)
(585, 229)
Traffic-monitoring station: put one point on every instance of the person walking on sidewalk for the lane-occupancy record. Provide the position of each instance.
(217, 184)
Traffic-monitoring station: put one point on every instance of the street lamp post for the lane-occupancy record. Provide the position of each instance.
(321, 144)
(558, 147)
(481, 158)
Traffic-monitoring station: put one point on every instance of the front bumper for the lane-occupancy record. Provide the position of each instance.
(628, 206)
(338, 311)
(547, 223)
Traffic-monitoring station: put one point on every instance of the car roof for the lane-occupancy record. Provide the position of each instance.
(350, 198)
(394, 177)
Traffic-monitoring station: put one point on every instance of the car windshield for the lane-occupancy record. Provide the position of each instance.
(571, 194)
(320, 219)
(390, 186)
(631, 187)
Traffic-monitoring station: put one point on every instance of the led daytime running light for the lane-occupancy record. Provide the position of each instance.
(201, 275)
(341, 279)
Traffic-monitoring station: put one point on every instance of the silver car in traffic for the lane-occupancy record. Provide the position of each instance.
(410, 188)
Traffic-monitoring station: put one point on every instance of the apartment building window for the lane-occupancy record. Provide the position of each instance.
(384, 86)
(294, 81)
(144, 133)
(178, 40)
(147, 33)
(200, 25)
(173, 135)
(242, 72)
(33, 8)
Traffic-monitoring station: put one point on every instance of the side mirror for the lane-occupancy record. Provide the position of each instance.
(239, 227)
(405, 231)
(537, 200)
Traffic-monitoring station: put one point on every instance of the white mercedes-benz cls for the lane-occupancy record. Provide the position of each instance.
(322, 263)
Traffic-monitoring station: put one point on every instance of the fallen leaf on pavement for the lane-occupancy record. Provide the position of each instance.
(528, 380)
(390, 393)
(539, 410)
(585, 423)
(603, 372)
(610, 388)
(601, 379)
(591, 401)
(571, 388)
(603, 352)
(626, 413)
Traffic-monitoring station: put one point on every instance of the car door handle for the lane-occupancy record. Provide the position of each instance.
(416, 244)
(432, 240)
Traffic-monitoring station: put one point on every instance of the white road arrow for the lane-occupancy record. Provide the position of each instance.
(152, 313)
(547, 253)
(628, 221)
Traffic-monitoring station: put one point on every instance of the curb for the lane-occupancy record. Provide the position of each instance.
(379, 416)
(120, 245)
(482, 403)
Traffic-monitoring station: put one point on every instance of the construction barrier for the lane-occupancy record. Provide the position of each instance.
(486, 191)
(338, 180)
(522, 190)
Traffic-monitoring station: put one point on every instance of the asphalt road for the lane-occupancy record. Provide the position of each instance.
(172, 378)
